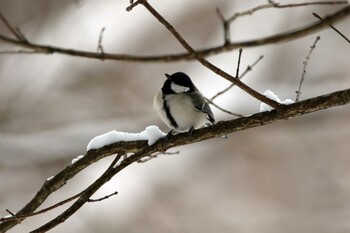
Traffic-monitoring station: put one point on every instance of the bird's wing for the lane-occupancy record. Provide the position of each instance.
(206, 109)
(201, 104)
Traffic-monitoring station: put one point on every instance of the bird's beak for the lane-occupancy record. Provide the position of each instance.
(167, 76)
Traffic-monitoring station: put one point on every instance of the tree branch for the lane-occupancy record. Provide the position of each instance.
(277, 38)
(207, 64)
(249, 68)
(141, 149)
(84, 197)
(273, 4)
(336, 30)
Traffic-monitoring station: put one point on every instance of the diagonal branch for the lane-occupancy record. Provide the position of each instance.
(13, 30)
(336, 30)
(274, 39)
(206, 63)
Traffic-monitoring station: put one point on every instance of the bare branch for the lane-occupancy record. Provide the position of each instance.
(225, 26)
(15, 31)
(155, 155)
(251, 11)
(304, 68)
(24, 216)
(133, 4)
(249, 68)
(103, 198)
(311, 3)
(10, 212)
(99, 46)
(222, 109)
(273, 4)
(341, 34)
(274, 39)
(239, 62)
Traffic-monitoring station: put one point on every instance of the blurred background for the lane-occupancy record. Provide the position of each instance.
(290, 176)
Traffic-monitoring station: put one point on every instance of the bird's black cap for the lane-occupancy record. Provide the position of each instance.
(181, 79)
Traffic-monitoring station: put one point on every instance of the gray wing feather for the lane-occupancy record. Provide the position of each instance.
(208, 111)
(201, 104)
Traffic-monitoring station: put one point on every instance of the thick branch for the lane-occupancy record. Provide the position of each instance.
(140, 147)
(277, 38)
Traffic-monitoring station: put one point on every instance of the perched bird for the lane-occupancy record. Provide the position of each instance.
(180, 104)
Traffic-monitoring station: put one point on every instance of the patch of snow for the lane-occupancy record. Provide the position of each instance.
(269, 94)
(151, 134)
(50, 178)
(77, 158)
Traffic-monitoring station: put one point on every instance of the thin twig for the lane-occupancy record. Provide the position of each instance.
(249, 68)
(21, 217)
(99, 46)
(311, 3)
(133, 4)
(155, 155)
(250, 11)
(305, 63)
(15, 31)
(10, 212)
(225, 26)
(239, 62)
(21, 35)
(222, 109)
(103, 198)
(220, 93)
(341, 34)
(273, 4)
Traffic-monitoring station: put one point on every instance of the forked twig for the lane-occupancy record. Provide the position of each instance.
(249, 68)
(225, 25)
(15, 31)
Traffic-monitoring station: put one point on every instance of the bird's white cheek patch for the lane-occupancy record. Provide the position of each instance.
(179, 89)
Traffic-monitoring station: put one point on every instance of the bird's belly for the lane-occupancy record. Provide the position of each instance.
(185, 114)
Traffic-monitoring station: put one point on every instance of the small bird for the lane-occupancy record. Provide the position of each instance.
(181, 106)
